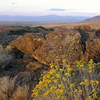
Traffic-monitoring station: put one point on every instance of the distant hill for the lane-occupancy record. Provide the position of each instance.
(93, 19)
(40, 20)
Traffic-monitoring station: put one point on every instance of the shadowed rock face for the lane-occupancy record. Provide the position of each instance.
(97, 33)
(90, 42)
(10, 33)
(93, 50)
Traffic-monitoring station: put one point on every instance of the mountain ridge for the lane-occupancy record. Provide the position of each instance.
(48, 19)
(93, 19)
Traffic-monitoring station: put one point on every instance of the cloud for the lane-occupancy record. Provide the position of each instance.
(56, 9)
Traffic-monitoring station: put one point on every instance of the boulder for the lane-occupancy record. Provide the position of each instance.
(62, 44)
(27, 43)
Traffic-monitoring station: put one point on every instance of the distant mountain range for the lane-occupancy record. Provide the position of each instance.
(39, 20)
(93, 19)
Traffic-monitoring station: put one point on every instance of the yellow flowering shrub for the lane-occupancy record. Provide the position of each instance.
(69, 82)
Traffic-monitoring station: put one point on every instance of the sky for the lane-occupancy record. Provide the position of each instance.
(50, 7)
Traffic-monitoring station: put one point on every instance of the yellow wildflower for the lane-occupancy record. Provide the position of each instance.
(48, 81)
(90, 98)
(58, 75)
(67, 74)
(80, 91)
(71, 85)
(61, 85)
(61, 70)
(56, 66)
(90, 71)
(45, 84)
(59, 91)
(48, 76)
(59, 97)
(81, 65)
(53, 88)
(69, 69)
(97, 82)
(51, 65)
(86, 81)
(46, 93)
(67, 66)
(91, 61)
(55, 81)
(92, 81)
(57, 59)
(82, 83)
(64, 60)
(64, 79)
(52, 72)
(75, 90)
(95, 95)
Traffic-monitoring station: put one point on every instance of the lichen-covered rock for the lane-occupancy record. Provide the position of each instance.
(62, 44)
(27, 43)
(71, 44)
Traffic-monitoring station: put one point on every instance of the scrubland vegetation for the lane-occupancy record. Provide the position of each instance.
(9, 92)
(69, 82)
(26, 71)
(7, 89)
(79, 81)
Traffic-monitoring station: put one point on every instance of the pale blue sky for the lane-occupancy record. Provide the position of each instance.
(47, 7)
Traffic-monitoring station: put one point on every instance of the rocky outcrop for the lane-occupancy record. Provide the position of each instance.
(90, 42)
(27, 43)
(10, 33)
(79, 43)
(38, 31)
(62, 44)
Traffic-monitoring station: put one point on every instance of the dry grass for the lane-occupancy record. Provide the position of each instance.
(8, 92)
(21, 93)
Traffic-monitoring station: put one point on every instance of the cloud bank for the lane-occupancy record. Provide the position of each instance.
(56, 9)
